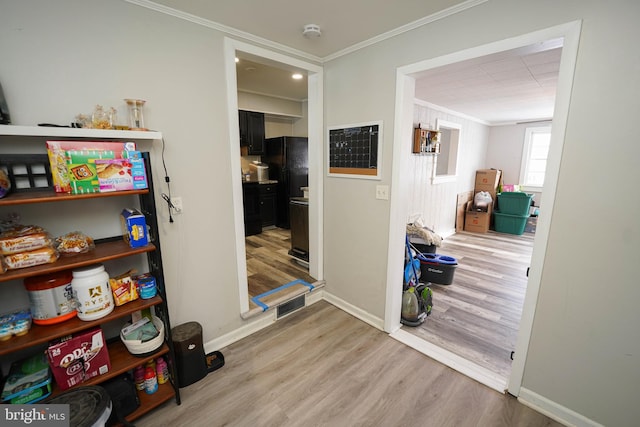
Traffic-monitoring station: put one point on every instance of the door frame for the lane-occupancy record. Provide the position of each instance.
(315, 111)
(405, 90)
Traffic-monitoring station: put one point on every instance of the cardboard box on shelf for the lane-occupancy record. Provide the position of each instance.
(477, 221)
(121, 174)
(79, 357)
(56, 151)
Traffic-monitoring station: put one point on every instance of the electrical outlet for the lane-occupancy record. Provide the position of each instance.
(177, 205)
(382, 192)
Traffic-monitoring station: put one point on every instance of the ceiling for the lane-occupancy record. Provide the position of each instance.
(512, 86)
(517, 85)
(342, 23)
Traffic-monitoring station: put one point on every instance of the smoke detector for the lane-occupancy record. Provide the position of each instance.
(311, 31)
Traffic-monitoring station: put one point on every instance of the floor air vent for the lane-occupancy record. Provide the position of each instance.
(290, 306)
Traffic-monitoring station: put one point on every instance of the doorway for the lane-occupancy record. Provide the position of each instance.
(314, 117)
(399, 200)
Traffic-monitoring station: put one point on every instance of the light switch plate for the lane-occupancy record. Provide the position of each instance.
(382, 192)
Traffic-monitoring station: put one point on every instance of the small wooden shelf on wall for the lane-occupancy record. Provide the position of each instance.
(426, 141)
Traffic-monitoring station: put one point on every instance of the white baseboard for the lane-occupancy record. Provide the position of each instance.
(465, 367)
(356, 312)
(554, 410)
(259, 322)
(448, 233)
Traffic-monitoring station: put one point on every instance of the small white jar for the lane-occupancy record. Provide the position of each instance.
(92, 292)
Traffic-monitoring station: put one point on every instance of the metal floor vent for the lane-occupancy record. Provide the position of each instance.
(290, 306)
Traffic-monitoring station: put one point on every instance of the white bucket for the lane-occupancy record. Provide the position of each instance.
(92, 291)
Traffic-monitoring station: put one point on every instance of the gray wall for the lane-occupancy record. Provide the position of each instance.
(505, 152)
(61, 58)
(584, 352)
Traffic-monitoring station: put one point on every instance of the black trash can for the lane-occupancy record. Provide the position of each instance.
(190, 358)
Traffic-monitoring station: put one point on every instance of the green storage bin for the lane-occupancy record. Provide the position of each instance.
(512, 224)
(514, 203)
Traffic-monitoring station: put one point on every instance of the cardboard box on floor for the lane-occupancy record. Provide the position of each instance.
(488, 180)
(477, 222)
(461, 208)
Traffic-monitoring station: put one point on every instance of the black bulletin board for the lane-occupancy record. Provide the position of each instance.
(354, 151)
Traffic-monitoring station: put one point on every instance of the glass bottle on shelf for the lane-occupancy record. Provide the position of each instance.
(136, 117)
(100, 119)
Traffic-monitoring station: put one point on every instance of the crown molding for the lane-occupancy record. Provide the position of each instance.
(248, 36)
(405, 28)
(223, 28)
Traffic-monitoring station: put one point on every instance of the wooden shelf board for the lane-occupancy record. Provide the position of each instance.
(43, 334)
(121, 361)
(64, 132)
(149, 402)
(103, 252)
(48, 195)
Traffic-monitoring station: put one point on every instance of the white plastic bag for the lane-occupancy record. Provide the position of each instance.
(482, 200)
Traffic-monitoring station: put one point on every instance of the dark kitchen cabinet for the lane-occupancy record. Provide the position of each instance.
(251, 204)
(251, 132)
(268, 204)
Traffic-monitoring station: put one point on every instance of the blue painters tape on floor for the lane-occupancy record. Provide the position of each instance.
(256, 299)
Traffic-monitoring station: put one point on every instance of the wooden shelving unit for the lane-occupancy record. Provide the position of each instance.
(109, 249)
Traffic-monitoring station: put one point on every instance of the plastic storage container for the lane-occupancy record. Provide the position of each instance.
(514, 203)
(422, 246)
(92, 290)
(512, 224)
(437, 268)
(51, 297)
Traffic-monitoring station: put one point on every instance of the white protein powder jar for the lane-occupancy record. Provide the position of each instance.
(92, 291)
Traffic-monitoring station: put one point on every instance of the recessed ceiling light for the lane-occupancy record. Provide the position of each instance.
(296, 76)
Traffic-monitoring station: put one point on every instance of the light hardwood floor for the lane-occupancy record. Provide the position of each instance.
(477, 316)
(322, 367)
(268, 262)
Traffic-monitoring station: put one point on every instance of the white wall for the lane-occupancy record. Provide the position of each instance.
(436, 203)
(505, 151)
(61, 58)
(584, 353)
(269, 104)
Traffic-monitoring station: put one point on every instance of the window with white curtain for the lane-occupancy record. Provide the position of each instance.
(534, 156)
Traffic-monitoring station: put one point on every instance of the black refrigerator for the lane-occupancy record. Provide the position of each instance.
(288, 160)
